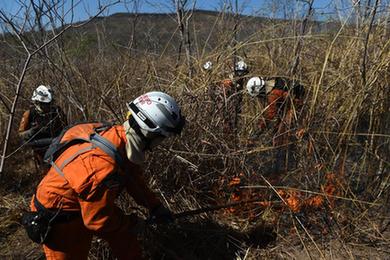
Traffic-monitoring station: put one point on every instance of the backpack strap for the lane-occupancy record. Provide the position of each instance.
(68, 160)
(108, 148)
(57, 147)
(281, 83)
(95, 140)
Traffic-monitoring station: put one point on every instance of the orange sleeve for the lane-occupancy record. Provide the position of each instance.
(25, 122)
(100, 214)
(137, 188)
(226, 83)
(273, 99)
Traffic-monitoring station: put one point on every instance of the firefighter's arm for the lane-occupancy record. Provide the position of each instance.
(26, 135)
(25, 122)
(136, 186)
(26, 131)
(272, 108)
(100, 214)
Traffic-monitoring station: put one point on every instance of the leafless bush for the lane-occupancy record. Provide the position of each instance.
(345, 121)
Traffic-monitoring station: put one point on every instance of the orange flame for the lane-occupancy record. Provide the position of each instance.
(235, 181)
(294, 199)
(314, 202)
(236, 196)
(264, 204)
(330, 188)
(291, 198)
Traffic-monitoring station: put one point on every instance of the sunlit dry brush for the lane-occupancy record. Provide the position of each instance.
(345, 134)
(338, 184)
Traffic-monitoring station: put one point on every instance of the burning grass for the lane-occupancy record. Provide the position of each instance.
(334, 190)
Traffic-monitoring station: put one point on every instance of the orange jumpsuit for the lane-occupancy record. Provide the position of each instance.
(277, 102)
(277, 99)
(91, 183)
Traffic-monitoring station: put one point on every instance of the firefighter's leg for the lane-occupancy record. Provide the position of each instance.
(289, 119)
(70, 240)
(279, 143)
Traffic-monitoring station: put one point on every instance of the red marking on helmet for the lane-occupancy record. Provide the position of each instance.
(145, 99)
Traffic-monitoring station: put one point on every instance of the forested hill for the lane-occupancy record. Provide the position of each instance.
(159, 33)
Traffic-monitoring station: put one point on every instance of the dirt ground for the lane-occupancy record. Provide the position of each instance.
(212, 236)
(195, 241)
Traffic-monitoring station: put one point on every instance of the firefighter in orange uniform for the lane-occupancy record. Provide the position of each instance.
(278, 92)
(41, 122)
(283, 97)
(86, 177)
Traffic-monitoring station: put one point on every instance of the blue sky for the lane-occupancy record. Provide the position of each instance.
(87, 8)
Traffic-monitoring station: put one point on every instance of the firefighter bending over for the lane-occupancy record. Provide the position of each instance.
(90, 166)
(280, 94)
(283, 98)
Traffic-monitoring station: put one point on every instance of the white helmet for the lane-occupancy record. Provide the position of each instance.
(240, 67)
(157, 112)
(208, 65)
(42, 94)
(255, 86)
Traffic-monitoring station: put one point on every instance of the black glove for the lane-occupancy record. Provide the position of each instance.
(161, 215)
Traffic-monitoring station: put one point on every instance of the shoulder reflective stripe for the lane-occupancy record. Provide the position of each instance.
(58, 170)
(68, 160)
(107, 147)
(96, 141)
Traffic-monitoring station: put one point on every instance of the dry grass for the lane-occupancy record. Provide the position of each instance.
(346, 132)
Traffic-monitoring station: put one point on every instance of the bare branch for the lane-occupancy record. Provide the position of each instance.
(30, 54)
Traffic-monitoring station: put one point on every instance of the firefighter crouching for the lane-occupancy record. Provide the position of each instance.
(91, 164)
(282, 96)
(43, 121)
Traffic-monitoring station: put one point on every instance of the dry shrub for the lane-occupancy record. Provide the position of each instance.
(344, 124)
